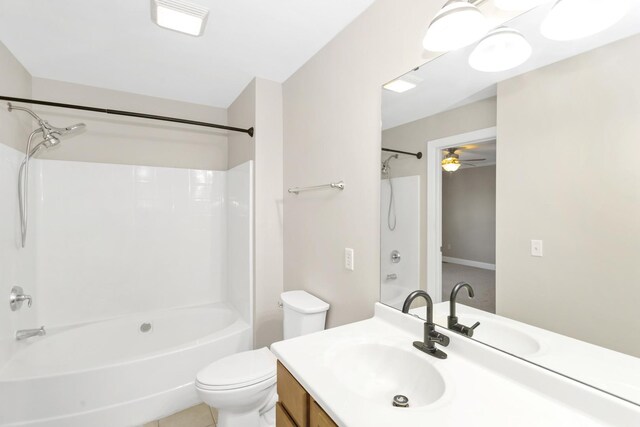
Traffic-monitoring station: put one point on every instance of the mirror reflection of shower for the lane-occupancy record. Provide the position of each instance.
(51, 137)
(386, 172)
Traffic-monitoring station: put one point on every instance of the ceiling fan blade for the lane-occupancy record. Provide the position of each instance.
(468, 164)
(472, 160)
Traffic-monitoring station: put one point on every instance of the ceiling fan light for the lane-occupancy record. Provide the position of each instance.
(515, 5)
(500, 50)
(576, 19)
(458, 24)
(451, 164)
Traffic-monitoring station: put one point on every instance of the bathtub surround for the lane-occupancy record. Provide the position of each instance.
(16, 266)
(405, 239)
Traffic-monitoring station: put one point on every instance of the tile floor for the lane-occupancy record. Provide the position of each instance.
(197, 416)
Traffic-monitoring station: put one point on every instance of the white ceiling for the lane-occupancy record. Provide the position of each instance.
(449, 81)
(113, 44)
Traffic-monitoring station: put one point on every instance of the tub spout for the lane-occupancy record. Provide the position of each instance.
(23, 334)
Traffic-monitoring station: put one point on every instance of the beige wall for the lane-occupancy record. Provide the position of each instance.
(568, 138)
(469, 214)
(15, 82)
(125, 140)
(413, 137)
(260, 104)
(332, 132)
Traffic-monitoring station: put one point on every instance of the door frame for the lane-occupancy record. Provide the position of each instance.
(434, 201)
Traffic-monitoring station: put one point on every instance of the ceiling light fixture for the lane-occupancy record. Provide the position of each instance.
(575, 19)
(502, 49)
(459, 23)
(515, 5)
(451, 163)
(403, 84)
(181, 16)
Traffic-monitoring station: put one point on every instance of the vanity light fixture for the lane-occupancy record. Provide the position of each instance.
(451, 163)
(575, 19)
(459, 23)
(515, 5)
(502, 49)
(179, 15)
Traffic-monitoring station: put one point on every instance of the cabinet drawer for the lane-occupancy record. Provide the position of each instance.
(293, 397)
(319, 418)
(282, 418)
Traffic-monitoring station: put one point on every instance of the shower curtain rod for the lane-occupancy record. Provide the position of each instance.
(129, 114)
(418, 154)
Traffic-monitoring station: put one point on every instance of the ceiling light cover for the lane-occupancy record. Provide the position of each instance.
(502, 49)
(515, 5)
(399, 86)
(458, 24)
(575, 19)
(451, 164)
(181, 16)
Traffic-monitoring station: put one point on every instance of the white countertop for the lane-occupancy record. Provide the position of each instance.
(483, 386)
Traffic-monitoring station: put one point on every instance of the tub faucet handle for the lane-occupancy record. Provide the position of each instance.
(17, 297)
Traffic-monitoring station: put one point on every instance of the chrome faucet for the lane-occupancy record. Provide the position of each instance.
(452, 319)
(23, 334)
(431, 337)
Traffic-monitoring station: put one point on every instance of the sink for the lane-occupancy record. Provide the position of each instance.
(378, 372)
(502, 336)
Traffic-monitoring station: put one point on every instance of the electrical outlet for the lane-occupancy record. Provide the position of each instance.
(536, 248)
(348, 259)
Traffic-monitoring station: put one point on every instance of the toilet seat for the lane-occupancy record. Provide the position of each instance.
(239, 370)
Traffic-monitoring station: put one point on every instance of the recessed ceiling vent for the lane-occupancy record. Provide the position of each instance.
(181, 16)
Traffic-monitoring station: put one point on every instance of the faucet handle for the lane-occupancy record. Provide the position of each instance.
(439, 338)
(17, 297)
(475, 325)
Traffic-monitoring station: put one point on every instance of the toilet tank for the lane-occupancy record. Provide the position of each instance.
(303, 313)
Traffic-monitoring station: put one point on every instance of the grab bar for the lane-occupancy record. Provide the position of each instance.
(337, 185)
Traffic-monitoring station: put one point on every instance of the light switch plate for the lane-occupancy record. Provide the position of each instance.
(348, 259)
(536, 248)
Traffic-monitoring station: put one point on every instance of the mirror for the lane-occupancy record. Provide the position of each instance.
(539, 210)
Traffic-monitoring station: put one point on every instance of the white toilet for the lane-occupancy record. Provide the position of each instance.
(243, 386)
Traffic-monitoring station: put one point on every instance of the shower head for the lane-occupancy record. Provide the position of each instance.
(51, 135)
(385, 164)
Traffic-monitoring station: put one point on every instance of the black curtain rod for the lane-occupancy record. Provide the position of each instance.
(418, 154)
(129, 114)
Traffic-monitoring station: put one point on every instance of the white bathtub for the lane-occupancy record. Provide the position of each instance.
(113, 375)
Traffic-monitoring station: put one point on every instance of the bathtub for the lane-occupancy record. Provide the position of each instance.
(113, 374)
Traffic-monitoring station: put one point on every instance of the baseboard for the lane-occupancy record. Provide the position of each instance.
(469, 263)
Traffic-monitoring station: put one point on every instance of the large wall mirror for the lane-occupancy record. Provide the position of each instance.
(524, 183)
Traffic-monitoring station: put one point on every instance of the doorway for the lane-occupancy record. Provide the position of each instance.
(461, 246)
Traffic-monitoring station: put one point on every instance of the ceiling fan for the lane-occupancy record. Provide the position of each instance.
(451, 161)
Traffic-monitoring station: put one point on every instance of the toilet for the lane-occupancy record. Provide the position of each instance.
(243, 386)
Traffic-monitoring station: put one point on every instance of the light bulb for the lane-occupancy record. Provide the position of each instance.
(575, 19)
(458, 24)
(500, 50)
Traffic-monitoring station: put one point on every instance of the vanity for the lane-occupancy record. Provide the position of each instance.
(349, 376)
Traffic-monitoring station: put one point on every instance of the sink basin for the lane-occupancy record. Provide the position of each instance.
(502, 336)
(378, 372)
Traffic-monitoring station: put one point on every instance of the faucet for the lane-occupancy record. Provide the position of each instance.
(452, 319)
(23, 334)
(431, 337)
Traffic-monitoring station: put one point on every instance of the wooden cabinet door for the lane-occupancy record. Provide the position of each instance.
(319, 418)
(282, 418)
(293, 397)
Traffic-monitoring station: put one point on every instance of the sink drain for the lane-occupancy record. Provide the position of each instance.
(145, 327)
(400, 401)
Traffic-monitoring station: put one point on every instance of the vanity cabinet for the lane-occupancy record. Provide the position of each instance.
(296, 407)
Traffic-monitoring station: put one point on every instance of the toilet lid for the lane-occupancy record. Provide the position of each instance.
(239, 370)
